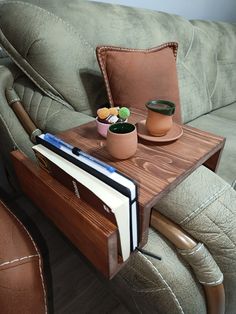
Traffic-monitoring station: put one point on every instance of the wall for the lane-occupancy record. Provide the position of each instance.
(224, 10)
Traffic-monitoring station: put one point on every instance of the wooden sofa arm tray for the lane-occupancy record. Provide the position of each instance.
(94, 235)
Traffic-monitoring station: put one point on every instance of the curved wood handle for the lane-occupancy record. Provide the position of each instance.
(16, 105)
(23, 116)
(215, 295)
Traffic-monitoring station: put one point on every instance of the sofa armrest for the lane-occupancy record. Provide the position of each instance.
(204, 205)
(47, 114)
(13, 135)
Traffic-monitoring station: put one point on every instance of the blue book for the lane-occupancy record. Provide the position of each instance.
(101, 171)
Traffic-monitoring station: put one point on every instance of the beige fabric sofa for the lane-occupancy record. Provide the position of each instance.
(53, 69)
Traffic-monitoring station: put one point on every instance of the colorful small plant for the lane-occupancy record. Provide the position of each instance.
(113, 115)
(124, 113)
(103, 113)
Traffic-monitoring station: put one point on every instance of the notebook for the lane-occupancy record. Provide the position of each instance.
(113, 183)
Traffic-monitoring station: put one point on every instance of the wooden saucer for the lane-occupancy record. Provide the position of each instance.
(173, 134)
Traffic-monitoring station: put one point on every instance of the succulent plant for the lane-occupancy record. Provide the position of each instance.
(161, 106)
(113, 114)
(124, 113)
(103, 113)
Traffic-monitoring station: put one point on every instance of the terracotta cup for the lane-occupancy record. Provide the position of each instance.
(122, 140)
(159, 119)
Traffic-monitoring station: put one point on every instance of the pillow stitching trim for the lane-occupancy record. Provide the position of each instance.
(173, 45)
(100, 51)
(104, 72)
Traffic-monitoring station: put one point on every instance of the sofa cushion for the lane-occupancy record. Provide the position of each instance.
(56, 49)
(227, 112)
(222, 37)
(66, 69)
(147, 285)
(134, 76)
(222, 122)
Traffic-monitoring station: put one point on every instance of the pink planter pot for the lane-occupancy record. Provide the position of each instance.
(102, 128)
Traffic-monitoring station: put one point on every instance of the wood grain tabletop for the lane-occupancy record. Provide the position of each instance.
(156, 167)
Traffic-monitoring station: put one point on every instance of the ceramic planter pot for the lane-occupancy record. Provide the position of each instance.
(102, 128)
(159, 118)
(122, 140)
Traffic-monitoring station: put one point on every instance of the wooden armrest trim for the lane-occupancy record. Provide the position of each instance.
(215, 295)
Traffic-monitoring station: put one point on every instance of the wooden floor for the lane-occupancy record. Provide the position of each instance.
(74, 286)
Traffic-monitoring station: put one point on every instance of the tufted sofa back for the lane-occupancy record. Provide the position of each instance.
(54, 43)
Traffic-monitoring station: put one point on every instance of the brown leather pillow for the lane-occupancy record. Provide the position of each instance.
(135, 76)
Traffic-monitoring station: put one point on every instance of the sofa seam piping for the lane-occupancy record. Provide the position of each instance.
(56, 17)
(165, 282)
(204, 204)
(18, 260)
(60, 100)
(9, 132)
(40, 260)
(190, 45)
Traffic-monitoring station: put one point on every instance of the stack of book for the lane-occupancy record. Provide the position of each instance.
(104, 188)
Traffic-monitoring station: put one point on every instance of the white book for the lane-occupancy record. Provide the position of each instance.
(115, 179)
(116, 201)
